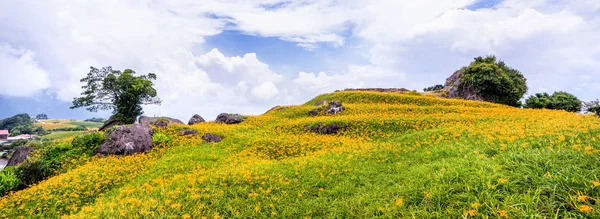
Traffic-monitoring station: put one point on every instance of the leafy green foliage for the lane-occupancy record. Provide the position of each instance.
(558, 100)
(592, 107)
(121, 92)
(16, 120)
(58, 154)
(494, 81)
(434, 88)
(32, 171)
(565, 101)
(538, 101)
(8, 180)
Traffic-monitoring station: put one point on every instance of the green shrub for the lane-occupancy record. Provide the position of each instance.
(57, 154)
(494, 81)
(32, 171)
(160, 139)
(8, 180)
(558, 100)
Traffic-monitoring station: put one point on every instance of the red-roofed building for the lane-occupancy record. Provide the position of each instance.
(3, 134)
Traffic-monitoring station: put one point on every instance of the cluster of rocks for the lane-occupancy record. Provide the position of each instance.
(324, 129)
(333, 107)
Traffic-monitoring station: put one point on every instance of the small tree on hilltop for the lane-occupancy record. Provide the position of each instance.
(565, 101)
(592, 107)
(121, 92)
(558, 100)
(494, 81)
(538, 101)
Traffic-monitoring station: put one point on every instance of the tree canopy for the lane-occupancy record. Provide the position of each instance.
(120, 91)
(22, 119)
(494, 81)
(592, 107)
(558, 100)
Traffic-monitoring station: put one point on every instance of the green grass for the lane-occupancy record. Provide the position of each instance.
(62, 135)
(86, 124)
(397, 156)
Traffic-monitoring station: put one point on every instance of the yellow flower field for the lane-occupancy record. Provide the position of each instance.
(397, 156)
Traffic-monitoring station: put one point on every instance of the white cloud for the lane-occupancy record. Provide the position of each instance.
(407, 43)
(21, 76)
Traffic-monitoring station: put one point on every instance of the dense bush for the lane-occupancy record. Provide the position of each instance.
(17, 120)
(32, 171)
(58, 154)
(494, 81)
(558, 100)
(434, 88)
(8, 180)
(49, 158)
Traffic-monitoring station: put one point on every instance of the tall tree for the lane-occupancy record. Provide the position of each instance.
(122, 92)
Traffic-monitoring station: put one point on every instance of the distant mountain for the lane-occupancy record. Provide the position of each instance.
(43, 103)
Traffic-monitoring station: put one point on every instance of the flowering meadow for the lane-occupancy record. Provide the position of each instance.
(396, 156)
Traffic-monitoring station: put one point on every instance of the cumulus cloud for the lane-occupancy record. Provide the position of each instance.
(21, 75)
(404, 43)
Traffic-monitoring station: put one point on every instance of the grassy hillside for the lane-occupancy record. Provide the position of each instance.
(66, 123)
(397, 155)
(62, 135)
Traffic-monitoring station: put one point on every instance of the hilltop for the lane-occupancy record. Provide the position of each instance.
(395, 155)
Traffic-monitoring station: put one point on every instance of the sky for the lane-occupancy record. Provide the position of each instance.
(246, 56)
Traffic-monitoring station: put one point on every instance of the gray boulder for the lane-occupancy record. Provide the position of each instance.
(455, 91)
(211, 138)
(228, 118)
(189, 132)
(136, 138)
(314, 112)
(196, 119)
(159, 122)
(20, 155)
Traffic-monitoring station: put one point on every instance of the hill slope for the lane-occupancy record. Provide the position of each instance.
(397, 155)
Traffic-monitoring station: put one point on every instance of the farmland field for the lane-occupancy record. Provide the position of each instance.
(396, 156)
(66, 123)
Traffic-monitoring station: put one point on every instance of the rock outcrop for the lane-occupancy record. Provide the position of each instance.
(335, 107)
(20, 155)
(196, 119)
(159, 122)
(112, 121)
(456, 91)
(228, 118)
(136, 138)
(211, 138)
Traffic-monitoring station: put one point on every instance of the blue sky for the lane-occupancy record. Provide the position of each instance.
(246, 57)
